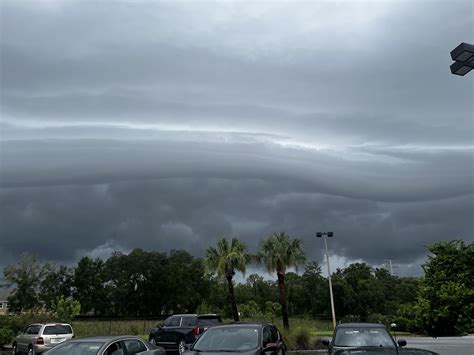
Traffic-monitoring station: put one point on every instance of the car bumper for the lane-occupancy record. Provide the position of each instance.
(41, 348)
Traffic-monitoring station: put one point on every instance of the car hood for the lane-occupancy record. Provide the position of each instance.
(249, 352)
(370, 350)
(413, 351)
(381, 351)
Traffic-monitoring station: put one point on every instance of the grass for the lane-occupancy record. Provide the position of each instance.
(83, 328)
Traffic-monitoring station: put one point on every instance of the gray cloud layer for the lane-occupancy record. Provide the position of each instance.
(169, 124)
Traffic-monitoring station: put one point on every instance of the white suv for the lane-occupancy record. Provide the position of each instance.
(38, 338)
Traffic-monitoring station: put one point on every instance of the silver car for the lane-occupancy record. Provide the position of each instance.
(107, 345)
(37, 338)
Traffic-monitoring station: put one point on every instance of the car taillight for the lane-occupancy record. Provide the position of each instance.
(196, 330)
(40, 341)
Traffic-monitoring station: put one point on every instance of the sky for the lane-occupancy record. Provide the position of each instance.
(170, 124)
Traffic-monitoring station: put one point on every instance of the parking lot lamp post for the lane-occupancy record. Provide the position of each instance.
(329, 235)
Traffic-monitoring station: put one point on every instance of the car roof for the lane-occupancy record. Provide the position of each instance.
(242, 324)
(184, 315)
(360, 325)
(46, 324)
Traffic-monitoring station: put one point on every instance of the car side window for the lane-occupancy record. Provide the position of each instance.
(267, 336)
(188, 322)
(114, 349)
(173, 322)
(134, 346)
(33, 329)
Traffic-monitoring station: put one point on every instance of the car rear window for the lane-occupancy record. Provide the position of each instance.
(209, 320)
(57, 329)
(188, 322)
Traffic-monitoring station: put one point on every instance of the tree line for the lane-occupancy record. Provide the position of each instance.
(151, 283)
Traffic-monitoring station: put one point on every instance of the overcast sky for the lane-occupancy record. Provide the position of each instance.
(169, 124)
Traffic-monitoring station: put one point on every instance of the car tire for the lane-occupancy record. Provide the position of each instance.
(153, 341)
(31, 350)
(181, 346)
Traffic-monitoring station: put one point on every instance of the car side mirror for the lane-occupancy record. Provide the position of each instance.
(325, 342)
(402, 343)
(270, 347)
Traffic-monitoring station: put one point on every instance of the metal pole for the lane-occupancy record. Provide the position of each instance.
(330, 284)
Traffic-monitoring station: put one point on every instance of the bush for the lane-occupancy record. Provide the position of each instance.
(402, 324)
(65, 309)
(302, 339)
(6, 335)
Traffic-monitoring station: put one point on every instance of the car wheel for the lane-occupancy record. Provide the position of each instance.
(181, 346)
(31, 350)
(153, 341)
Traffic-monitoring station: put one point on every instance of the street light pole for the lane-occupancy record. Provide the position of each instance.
(328, 234)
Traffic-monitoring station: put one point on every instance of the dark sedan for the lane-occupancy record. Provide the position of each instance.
(367, 339)
(240, 338)
(106, 345)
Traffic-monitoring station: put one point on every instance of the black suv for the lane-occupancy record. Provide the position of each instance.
(181, 330)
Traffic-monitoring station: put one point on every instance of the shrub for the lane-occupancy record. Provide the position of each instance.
(6, 335)
(66, 309)
(302, 339)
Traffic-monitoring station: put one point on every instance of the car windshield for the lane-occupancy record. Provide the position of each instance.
(57, 329)
(76, 348)
(228, 339)
(363, 336)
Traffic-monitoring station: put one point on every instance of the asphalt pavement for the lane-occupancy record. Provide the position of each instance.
(444, 345)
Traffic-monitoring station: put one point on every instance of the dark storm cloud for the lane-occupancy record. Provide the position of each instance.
(193, 213)
(133, 124)
(406, 177)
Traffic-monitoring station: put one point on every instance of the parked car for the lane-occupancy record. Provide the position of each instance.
(37, 338)
(181, 330)
(240, 338)
(367, 339)
(106, 345)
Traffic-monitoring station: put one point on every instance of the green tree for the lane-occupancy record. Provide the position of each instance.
(446, 303)
(279, 253)
(363, 293)
(57, 282)
(89, 286)
(316, 290)
(223, 260)
(26, 277)
(65, 309)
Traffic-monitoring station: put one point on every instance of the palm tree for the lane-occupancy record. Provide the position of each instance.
(278, 253)
(223, 260)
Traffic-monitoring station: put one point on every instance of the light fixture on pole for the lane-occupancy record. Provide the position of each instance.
(329, 235)
(463, 56)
